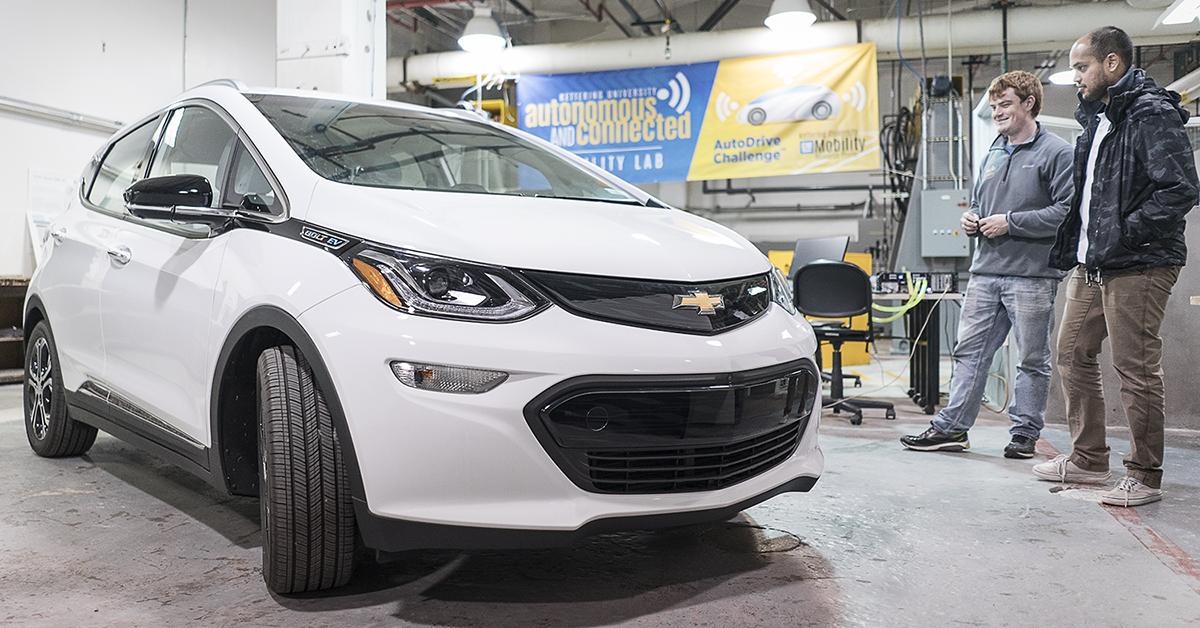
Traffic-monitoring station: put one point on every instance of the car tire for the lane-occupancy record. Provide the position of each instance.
(308, 528)
(822, 110)
(756, 116)
(51, 433)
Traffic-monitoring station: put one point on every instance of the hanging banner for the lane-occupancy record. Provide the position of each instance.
(791, 114)
(755, 117)
(639, 124)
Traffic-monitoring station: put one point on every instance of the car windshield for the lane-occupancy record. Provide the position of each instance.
(380, 146)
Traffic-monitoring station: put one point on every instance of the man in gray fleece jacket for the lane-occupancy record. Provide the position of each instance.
(1021, 196)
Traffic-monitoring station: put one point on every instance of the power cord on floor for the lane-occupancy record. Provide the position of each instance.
(988, 405)
(875, 356)
(953, 344)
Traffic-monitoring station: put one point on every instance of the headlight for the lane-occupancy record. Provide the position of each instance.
(444, 287)
(781, 292)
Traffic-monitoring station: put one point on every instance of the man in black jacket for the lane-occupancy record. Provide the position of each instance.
(1123, 241)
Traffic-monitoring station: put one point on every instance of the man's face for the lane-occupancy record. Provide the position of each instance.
(1093, 76)
(1010, 113)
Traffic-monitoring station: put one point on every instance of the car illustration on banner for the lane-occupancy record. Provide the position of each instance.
(791, 103)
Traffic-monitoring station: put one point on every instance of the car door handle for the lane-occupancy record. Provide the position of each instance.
(58, 234)
(121, 254)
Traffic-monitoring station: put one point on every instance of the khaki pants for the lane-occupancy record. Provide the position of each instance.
(1128, 309)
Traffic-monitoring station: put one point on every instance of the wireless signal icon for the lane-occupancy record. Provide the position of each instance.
(680, 93)
(787, 72)
(857, 96)
(725, 106)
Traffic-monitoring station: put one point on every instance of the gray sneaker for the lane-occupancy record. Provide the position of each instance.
(1061, 469)
(1131, 492)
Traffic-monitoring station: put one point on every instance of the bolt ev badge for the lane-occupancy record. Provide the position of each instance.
(708, 305)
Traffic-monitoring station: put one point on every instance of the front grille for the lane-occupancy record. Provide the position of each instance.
(663, 305)
(650, 434)
(691, 469)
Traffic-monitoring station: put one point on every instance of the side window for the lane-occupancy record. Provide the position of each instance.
(195, 141)
(248, 180)
(124, 164)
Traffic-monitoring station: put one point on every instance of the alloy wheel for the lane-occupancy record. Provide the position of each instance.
(41, 387)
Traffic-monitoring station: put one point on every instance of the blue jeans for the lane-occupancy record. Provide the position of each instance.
(993, 305)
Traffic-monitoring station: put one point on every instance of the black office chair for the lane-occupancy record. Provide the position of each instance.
(829, 289)
(809, 250)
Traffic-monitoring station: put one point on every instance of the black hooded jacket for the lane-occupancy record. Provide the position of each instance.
(1144, 184)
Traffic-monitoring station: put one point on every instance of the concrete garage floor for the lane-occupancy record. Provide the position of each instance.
(886, 538)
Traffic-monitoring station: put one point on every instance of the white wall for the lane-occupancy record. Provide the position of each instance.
(117, 59)
(333, 46)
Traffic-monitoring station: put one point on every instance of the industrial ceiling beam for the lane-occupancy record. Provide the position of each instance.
(832, 11)
(636, 17)
(718, 14)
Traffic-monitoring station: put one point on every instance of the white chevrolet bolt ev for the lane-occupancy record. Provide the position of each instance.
(411, 328)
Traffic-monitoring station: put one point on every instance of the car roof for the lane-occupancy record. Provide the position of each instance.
(219, 89)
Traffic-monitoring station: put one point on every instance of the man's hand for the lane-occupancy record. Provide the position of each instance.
(993, 226)
(970, 223)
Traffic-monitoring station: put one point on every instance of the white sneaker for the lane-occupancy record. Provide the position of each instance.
(1061, 469)
(1131, 492)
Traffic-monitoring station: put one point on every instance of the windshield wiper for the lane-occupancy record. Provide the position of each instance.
(623, 201)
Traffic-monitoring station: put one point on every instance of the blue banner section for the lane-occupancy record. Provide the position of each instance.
(641, 124)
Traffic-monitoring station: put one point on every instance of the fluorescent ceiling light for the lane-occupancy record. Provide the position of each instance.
(482, 34)
(1180, 12)
(792, 15)
(1066, 77)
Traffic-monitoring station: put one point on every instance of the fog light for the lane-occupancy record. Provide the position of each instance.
(451, 379)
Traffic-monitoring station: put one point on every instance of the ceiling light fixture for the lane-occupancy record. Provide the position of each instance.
(1180, 12)
(1066, 77)
(790, 16)
(482, 33)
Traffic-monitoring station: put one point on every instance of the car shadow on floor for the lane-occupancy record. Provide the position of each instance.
(601, 580)
(233, 517)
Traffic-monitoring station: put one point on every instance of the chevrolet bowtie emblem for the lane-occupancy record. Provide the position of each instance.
(708, 305)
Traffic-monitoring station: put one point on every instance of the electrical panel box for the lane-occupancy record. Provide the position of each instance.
(941, 223)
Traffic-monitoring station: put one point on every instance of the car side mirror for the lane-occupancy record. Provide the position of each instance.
(177, 197)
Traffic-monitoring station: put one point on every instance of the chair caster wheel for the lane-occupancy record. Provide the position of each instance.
(856, 419)
(891, 415)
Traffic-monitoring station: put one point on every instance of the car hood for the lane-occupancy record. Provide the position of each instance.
(587, 237)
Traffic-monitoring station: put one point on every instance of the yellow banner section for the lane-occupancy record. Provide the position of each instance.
(791, 114)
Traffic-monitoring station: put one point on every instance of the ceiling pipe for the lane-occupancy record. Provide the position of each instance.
(978, 32)
(1004, 36)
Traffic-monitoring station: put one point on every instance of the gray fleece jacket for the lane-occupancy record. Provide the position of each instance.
(1033, 186)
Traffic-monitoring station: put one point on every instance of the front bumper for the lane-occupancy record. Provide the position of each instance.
(435, 463)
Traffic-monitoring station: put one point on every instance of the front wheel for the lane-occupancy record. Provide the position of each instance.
(51, 433)
(307, 514)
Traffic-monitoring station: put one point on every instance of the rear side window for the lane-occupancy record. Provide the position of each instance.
(124, 164)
